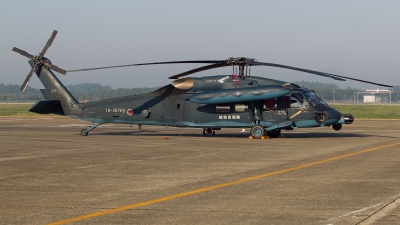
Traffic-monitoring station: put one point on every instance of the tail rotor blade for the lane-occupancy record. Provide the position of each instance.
(39, 60)
(55, 68)
(48, 44)
(22, 52)
(28, 78)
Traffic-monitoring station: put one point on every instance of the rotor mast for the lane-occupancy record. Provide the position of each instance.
(241, 62)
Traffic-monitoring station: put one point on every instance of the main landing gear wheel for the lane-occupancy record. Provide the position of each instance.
(274, 133)
(337, 126)
(84, 132)
(257, 131)
(208, 131)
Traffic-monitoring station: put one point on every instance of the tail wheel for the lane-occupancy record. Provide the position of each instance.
(274, 133)
(257, 131)
(84, 132)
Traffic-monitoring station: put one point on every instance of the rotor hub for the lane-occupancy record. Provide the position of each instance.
(241, 62)
(238, 61)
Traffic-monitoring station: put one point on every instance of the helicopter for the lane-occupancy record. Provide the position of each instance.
(237, 100)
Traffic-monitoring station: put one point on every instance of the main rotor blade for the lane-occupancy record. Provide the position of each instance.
(55, 68)
(28, 78)
(48, 44)
(203, 68)
(145, 64)
(333, 76)
(222, 63)
(22, 52)
(295, 68)
(363, 81)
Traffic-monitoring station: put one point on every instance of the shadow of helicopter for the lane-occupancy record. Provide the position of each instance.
(159, 134)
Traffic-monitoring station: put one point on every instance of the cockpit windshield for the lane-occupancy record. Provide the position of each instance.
(313, 99)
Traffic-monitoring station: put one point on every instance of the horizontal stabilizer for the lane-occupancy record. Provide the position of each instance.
(47, 107)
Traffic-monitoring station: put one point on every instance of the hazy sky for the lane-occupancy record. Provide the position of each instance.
(357, 38)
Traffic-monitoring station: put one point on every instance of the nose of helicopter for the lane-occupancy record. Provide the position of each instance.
(338, 117)
(334, 114)
(327, 115)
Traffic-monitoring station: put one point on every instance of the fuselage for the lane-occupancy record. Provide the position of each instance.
(170, 106)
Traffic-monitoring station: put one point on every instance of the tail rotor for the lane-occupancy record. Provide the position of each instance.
(39, 60)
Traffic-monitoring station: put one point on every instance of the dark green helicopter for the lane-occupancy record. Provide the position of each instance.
(238, 100)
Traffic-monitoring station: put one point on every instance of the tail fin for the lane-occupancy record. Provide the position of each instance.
(55, 90)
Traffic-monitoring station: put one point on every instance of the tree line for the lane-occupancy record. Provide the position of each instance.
(94, 92)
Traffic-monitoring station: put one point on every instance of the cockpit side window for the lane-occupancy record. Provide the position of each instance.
(297, 100)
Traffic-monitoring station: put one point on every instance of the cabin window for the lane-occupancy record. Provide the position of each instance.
(223, 108)
(241, 107)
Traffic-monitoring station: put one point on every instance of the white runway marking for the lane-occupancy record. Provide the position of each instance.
(353, 212)
(381, 212)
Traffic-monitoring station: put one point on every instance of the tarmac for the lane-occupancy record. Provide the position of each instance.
(118, 174)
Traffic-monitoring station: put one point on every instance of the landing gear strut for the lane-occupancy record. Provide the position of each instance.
(85, 132)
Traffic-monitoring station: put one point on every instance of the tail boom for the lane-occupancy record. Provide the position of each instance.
(69, 105)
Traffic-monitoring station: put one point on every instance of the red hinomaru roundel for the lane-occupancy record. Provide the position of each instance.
(129, 112)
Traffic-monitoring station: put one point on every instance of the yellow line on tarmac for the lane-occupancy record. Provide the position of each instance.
(167, 198)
